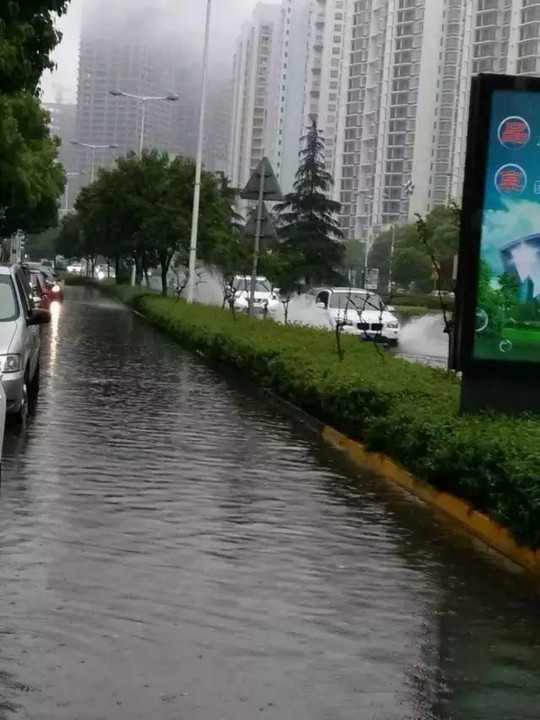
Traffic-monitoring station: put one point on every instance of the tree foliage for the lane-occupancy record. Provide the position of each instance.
(415, 247)
(307, 217)
(30, 178)
(141, 210)
(27, 38)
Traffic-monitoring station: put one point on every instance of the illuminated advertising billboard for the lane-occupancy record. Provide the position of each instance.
(498, 297)
(508, 290)
(496, 333)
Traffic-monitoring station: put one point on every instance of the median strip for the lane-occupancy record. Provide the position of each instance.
(388, 408)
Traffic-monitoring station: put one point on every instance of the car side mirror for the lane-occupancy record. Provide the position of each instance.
(39, 316)
(321, 305)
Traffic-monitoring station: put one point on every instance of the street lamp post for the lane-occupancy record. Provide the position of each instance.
(93, 149)
(144, 100)
(68, 176)
(198, 168)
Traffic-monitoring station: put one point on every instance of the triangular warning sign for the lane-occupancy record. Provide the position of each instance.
(267, 228)
(271, 190)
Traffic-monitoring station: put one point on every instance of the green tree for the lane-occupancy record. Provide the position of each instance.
(141, 210)
(31, 180)
(27, 38)
(307, 217)
(411, 265)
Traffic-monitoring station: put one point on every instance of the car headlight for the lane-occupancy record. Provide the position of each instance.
(392, 325)
(10, 363)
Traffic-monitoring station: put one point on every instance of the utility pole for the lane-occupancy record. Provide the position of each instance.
(198, 167)
(392, 248)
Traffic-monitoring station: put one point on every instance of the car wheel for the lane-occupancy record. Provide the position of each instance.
(21, 416)
(392, 343)
(35, 384)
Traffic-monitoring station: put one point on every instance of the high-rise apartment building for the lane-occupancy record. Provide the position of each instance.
(388, 82)
(398, 137)
(327, 73)
(256, 88)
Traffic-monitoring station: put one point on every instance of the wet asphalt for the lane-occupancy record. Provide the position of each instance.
(173, 546)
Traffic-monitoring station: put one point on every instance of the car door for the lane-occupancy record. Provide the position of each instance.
(32, 341)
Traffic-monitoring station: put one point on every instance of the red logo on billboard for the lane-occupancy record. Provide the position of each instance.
(514, 133)
(511, 180)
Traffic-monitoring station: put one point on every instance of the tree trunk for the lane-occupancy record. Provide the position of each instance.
(164, 272)
(165, 264)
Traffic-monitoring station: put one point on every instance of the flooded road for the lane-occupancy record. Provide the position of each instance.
(173, 547)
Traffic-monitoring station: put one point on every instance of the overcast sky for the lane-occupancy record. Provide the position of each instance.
(228, 16)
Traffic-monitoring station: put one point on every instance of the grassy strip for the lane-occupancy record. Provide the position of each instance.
(403, 410)
(407, 312)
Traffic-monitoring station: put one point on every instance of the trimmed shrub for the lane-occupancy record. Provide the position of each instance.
(409, 412)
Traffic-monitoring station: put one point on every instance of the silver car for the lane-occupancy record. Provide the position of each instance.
(20, 339)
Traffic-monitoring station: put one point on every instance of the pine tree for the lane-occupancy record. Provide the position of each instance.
(307, 217)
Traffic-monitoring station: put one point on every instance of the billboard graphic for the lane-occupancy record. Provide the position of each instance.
(508, 292)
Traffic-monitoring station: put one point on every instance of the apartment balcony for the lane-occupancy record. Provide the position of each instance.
(320, 19)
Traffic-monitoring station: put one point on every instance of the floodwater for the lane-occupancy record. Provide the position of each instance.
(173, 546)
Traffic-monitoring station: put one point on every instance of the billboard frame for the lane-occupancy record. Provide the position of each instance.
(507, 385)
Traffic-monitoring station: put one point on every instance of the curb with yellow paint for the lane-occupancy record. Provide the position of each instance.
(481, 526)
(476, 523)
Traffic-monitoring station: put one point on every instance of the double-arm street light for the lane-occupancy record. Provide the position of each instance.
(93, 149)
(144, 100)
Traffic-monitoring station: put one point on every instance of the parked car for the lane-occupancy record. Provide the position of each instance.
(56, 292)
(41, 291)
(2, 421)
(75, 268)
(20, 339)
(359, 312)
(266, 297)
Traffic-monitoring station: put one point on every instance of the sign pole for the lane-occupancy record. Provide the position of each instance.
(257, 245)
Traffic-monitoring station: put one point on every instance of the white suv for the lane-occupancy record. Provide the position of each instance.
(266, 298)
(359, 312)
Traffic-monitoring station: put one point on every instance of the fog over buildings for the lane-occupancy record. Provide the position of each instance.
(142, 47)
(387, 81)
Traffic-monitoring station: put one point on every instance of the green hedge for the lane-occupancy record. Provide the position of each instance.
(431, 302)
(406, 411)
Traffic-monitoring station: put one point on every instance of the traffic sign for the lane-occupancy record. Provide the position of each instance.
(267, 231)
(270, 186)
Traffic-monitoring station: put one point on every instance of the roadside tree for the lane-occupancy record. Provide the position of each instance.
(307, 217)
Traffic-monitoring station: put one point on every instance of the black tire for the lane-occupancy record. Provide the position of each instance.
(34, 386)
(21, 416)
(392, 343)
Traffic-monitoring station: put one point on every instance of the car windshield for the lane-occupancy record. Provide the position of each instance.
(356, 300)
(8, 302)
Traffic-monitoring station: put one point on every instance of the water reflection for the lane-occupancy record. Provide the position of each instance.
(172, 546)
